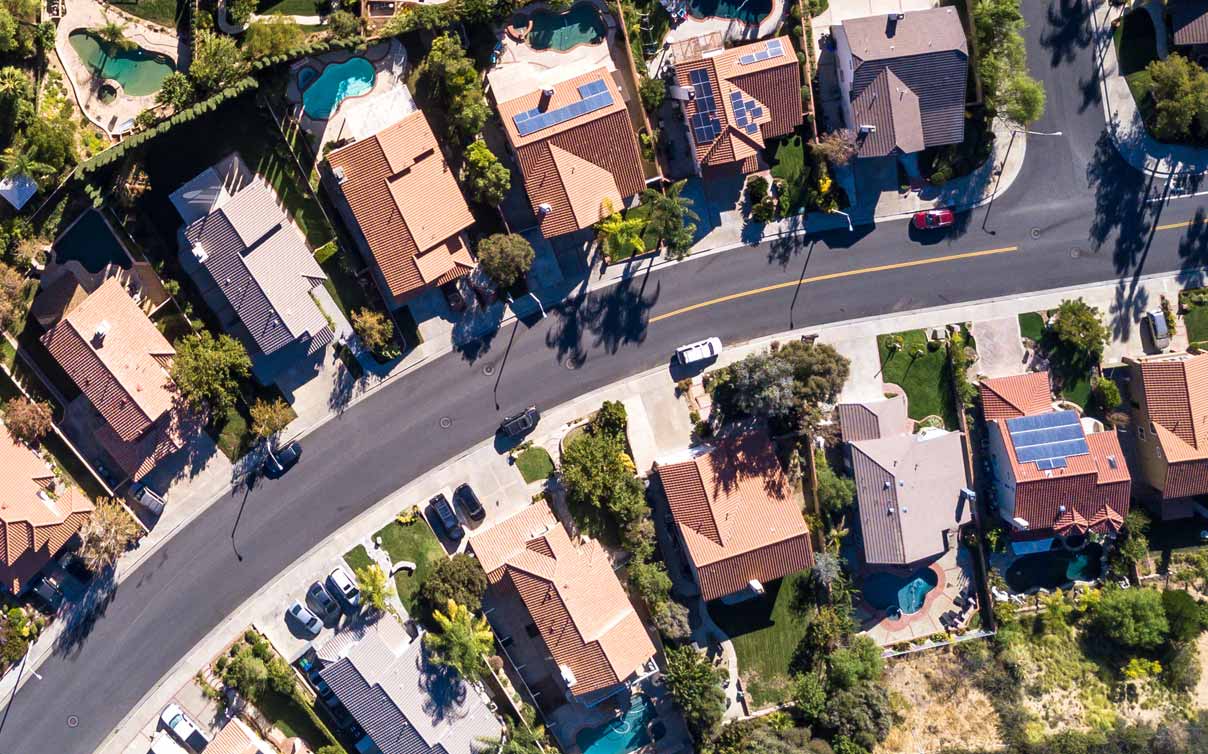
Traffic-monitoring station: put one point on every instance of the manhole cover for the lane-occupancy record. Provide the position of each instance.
(571, 363)
(1035, 232)
(73, 721)
(1076, 252)
(445, 422)
(488, 370)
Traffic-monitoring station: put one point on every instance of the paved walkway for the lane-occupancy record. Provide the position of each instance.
(1124, 124)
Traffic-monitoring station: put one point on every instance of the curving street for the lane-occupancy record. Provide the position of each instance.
(1077, 214)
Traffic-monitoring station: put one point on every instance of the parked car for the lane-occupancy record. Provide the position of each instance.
(147, 497)
(930, 219)
(703, 350)
(281, 460)
(163, 743)
(48, 593)
(453, 297)
(1155, 322)
(185, 730)
(343, 588)
(306, 620)
(465, 497)
(322, 603)
(520, 424)
(448, 519)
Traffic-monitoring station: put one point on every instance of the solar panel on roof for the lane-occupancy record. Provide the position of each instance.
(773, 49)
(594, 95)
(1047, 439)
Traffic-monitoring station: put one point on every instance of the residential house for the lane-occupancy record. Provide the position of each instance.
(121, 363)
(737, 516)
(399, 196)
(236, 737)
(1056, 475)
(570, 600)
(1188, 23)
(406, 705)
(911, 489)
(902, 80)
(576, 148)
(1169, 399)
(252, 266)
(735, 100)
(38, 513)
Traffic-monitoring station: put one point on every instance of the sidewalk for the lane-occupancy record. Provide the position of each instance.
(1133, 141)
(855, 339)
(994, 177)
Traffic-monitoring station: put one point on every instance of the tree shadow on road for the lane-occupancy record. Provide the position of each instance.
(1193, 251)
(79, 617)
(1123, 210)
(614, 316)
(1067, 30)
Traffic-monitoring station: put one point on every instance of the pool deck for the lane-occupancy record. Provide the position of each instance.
(731, 30)
(955, 574)
(389, 61)
(117, 116)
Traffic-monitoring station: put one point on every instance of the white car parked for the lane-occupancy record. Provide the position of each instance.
(175, 720)
(703, 350)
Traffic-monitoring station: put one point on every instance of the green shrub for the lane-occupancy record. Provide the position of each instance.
(326, 252)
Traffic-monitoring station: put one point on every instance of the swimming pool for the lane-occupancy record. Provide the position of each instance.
(90, 242)
(622, 735)
(139, 71)
(581, 24)
(748, 11)
(336, 83)
(1052, 569)
(889, 592)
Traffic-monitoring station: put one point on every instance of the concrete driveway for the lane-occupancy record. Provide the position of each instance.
(999, 348)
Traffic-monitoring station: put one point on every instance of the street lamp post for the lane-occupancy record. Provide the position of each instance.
(1003, 165)
(847, 217)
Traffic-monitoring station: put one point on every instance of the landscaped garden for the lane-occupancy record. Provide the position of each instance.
(534, 464)
(920, 367)
(1031, 326)
(1194, 303)
(406, 538)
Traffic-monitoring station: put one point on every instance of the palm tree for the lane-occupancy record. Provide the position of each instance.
(375, 588)
(671, 218)
(113, 34)
(106, 535)
(13, 81)
(17, 160)
(620, 237)
(460, 641)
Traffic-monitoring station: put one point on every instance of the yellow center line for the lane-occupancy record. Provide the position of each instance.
(1173, 226)
(833, 276)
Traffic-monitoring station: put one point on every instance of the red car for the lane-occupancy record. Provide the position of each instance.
(929, 219)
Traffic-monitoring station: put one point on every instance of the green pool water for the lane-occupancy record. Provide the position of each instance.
(748, 11)
(1049, 570)
(561, 31)
(625, 734)
(139, 71)
(322, 94)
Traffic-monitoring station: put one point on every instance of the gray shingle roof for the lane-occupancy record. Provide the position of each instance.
(1189, 20)
(909, 78)
(258, 272)
(404, 703)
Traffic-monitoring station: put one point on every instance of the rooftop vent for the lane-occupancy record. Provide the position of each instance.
(867, 128)
(1111, 461)
(98, 337)
(544, 209)
(338, 172)
(1061, 509)
(199, 252)
(546, 96)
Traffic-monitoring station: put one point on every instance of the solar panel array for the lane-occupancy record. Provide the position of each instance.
(774, 49)
(1048, 440)
(705, 125)
(745, 112)
(594, 95)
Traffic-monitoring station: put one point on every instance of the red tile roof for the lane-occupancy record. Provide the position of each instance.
(774, 84)
(37, 514)
(408, 205)
(579, 607)
(1174, 399)
(573, 166)
(737, 515)
(1017, 395)
(118, 359)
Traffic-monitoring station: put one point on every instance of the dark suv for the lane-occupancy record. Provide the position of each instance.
(520, 424)
(465, 497)
(448, 519)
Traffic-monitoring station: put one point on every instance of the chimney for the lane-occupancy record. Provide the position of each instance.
(338, 172)
(546, 96)
(98, 336)
(200, 254)
(543, 209)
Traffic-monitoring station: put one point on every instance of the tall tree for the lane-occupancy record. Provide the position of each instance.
(19, 159)
(176, 91)
(270, 417)
(670, 218)
(460, 640)
(696, 687)
(28, 421)
(272, 36)
(621, 237)
(12, 295)
(373, 328)
(1180, 93)
(1078, 334)
(376, 589)
(506, 258)
(487, 177)
(208, 370)
(459, 578)
(113, 34)
(452, 78)
(217, 62)
(107, 534)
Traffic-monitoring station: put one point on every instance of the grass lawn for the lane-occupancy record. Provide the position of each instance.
(1196, 322)
(790, 167)
(765, 633)
(924, 378)
(289, 714)
(290, 7)
(1078, 391)
(1031, 326)
(414, 542)
(343, 286)
(534, 464)
(163, 12)
(233, 434)
(357, 558)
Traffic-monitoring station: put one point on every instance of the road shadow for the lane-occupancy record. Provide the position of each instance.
(1067, 30)
(613, 317)
(1127, 207)
(1126, 308)
(1193, 251)
(79, 618)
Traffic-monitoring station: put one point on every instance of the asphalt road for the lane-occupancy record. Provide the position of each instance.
(1077, 214)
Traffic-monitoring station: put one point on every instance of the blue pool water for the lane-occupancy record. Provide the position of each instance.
(305, 77)
(1049, 570)
(886, 591)
(336, 83)
(622, 735)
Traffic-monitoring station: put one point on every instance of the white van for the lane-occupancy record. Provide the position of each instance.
(710, 348)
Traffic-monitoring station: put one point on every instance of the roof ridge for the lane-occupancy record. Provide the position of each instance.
(112, 375)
